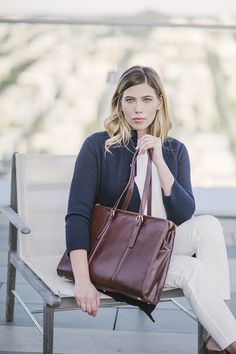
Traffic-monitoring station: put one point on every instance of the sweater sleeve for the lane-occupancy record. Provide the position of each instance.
(180, 204)
(82, 198)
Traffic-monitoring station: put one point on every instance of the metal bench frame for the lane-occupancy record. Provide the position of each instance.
(52, 302)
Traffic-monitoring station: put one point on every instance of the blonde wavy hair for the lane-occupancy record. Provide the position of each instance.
(118, 129)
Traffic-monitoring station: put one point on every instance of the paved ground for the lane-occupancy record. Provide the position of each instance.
(173, 333)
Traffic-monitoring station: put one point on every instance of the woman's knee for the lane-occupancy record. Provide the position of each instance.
(209, 220)
(211, 225)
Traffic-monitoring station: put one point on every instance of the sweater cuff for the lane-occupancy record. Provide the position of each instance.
(76, 239)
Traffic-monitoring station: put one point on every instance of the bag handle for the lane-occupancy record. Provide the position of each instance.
(130, 185)
(147, 190)
(145, 196)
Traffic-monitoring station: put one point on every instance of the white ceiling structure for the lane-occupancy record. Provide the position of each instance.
(122, 7)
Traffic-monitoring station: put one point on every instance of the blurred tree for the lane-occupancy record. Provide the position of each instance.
(225, 115)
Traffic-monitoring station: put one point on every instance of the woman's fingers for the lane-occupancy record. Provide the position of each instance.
(95, 303)
(148, 142)
(98, 299)
(89, 302)
(89, 306)
(94, 307)
(77, 299)
(86, 305)
(144, 147)
(83, 306)
(153, 143)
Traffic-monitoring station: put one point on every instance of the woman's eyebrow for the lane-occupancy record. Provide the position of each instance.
(146, 96)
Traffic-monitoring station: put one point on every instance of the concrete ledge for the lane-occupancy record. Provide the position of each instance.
(85, 341)
(217, 201)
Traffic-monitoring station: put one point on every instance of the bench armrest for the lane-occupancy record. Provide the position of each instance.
(15, 219)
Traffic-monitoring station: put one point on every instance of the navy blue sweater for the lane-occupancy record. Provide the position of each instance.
(100, 177)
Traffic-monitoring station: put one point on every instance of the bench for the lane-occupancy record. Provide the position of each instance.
(39, 192)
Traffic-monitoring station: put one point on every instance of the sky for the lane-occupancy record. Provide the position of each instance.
(120, 7)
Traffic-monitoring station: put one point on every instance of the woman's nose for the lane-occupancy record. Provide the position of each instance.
(138, 107)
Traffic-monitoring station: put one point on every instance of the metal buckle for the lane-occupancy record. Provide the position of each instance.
(111, 215)
(139, 219)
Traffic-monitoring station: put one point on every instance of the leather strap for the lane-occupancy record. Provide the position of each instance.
(147, 191)
(131, 187)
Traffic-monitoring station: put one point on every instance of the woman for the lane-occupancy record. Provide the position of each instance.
(139, 120)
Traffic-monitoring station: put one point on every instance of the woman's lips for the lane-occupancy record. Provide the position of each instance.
(138, 120)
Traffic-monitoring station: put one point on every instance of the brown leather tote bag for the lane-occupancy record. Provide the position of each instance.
(130, 252)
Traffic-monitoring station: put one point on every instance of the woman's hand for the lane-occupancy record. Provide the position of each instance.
(87, 297)
(154, 144)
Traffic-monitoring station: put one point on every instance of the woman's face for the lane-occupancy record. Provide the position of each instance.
(139, 105)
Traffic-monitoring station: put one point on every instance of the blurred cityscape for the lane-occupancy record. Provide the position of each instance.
(56, 81)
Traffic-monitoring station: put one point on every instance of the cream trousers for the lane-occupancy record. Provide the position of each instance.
(204, 279)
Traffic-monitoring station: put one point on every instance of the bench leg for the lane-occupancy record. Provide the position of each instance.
(48, 327)
(10, 299)
(11, 270)
(202, 337)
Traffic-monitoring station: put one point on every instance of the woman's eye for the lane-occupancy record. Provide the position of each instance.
(147, 99)
(129, 100)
